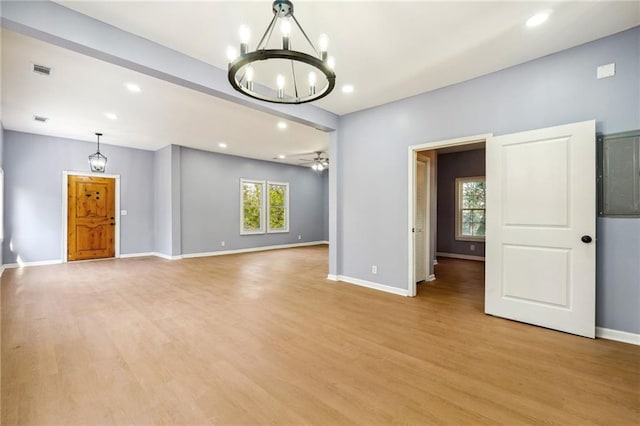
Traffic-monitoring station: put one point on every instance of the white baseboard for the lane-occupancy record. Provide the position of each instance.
(1, 270)
(324, 242)
(251, 249)
(124, 256)
(167, 256)
(332, 277)
(617, 335)
(431, 277)
(26, 264)
(372, 285)
(460, 256)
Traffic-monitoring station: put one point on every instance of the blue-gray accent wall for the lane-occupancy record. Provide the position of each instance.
(450, 167)
(33, 194)
(210, 192)
(556, 89)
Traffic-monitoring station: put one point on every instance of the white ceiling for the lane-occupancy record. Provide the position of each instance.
(82, 89)
(387, 50)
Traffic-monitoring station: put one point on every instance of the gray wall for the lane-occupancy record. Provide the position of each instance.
(210, 190)
(2, 166)
(162, 228)
(325, 205)
(33, 195)
(553, 90)
(450, 167)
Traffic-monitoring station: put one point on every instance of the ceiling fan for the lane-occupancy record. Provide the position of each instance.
(319, 163)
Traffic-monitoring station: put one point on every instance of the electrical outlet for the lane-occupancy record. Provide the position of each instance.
(374, 269)
(299, 237)
(123, 212)
(472, 247)
(222, 243)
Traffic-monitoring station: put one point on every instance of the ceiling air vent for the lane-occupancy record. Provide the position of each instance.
(41, 69)
(40, 118)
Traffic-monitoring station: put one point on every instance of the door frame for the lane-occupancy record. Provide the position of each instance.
(427, 213)
(65, 209)
(412, 157)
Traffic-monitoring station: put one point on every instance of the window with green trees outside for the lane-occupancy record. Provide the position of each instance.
(264, 207)
(470, 208)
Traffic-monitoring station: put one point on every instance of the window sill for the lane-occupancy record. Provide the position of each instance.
(474, 239)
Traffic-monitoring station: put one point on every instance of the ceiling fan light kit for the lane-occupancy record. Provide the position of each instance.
(242, 67)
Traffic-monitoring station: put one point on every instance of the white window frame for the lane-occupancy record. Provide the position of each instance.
(262, 206)
(286, 208)
(459, 182)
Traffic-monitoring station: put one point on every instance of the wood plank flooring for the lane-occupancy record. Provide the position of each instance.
(264, 338)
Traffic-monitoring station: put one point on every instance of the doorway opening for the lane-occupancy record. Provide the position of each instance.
(423, 204)
(90, 216)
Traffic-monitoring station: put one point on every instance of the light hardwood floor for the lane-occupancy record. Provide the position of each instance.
(264, 338)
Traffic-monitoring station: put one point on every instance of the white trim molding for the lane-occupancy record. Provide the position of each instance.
(29, 264)
(250, 250)
(332, 277)
(618, 336)
(431, 277)
(412, 155)
(372, 285)
(127, 255)
(460, 256)
(167, 256)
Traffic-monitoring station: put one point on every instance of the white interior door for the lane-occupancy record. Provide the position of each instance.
(420, 240)
(541, 214)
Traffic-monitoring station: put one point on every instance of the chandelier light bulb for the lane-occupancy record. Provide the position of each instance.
(314, 167)
(331, 62)
(232, 53)
(249, 77)
(323, 44)
(280, 83)
(312, 83)
(285, 28)
(320, 167)
(245, 34)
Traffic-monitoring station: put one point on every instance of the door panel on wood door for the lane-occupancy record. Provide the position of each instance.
(540, 202)
(90, 217)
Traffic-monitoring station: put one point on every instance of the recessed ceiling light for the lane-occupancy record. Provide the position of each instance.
(110, 116)
(282, 156)
(282, 125)
(133, 87)
(347, 88)
(222, 145)
(538, 19)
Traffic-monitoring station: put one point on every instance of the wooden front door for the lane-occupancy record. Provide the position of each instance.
(90, 217)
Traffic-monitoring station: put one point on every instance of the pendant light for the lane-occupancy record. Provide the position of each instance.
(97, 161)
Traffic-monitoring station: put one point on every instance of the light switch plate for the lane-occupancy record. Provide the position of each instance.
(123, 212)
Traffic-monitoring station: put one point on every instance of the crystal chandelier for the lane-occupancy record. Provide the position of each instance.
(281, 66)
